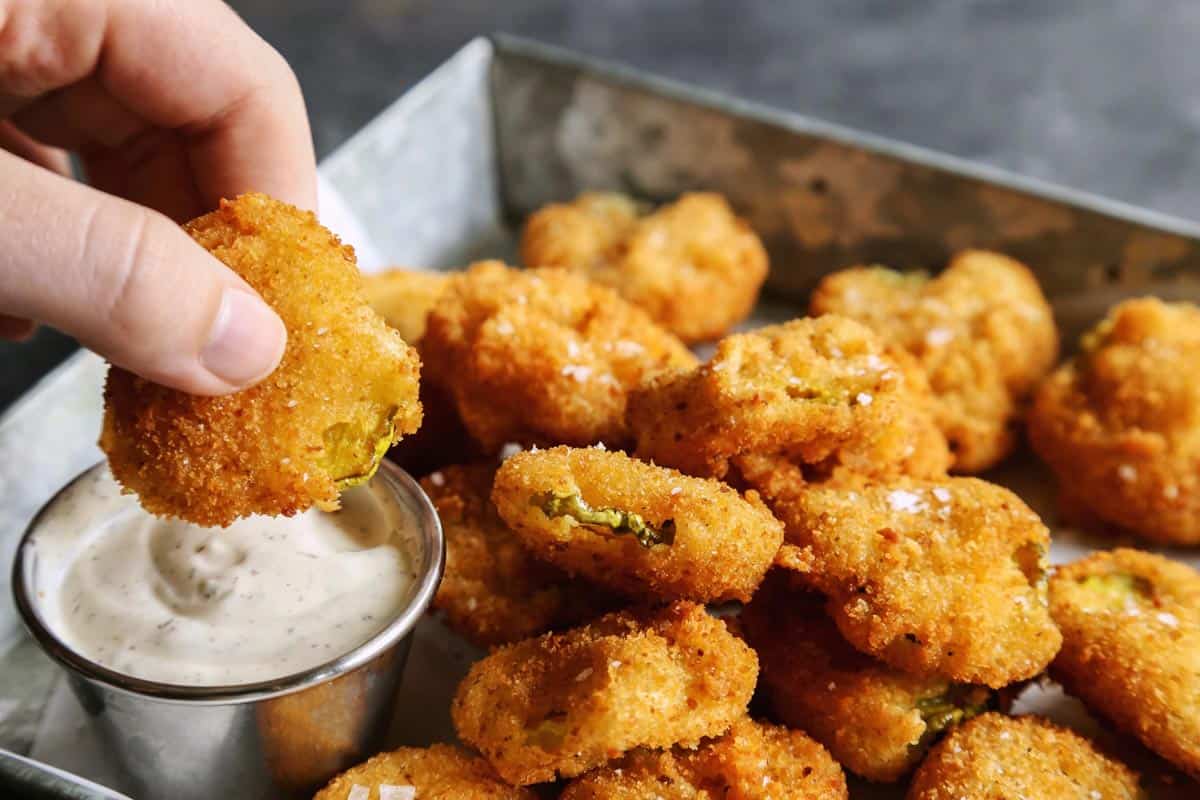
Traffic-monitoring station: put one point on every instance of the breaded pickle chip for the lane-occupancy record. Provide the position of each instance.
(440, 771)
(1131, 646)
(941, 577)
(404, 298)
(982, 330)
(494, 591)
(344, 391)
(876, 721)
(693, 265)
(994, 756)
(542, 356)
(642, 530)
(1120, 423)
(564, 703)
(807, 389)
(754, 761)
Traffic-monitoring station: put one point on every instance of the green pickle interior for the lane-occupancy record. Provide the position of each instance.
(608, 520)
(353, 455)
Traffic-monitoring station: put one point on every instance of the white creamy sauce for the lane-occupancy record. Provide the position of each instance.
(173, 602)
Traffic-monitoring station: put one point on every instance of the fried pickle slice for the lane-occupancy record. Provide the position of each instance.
(1131, 646)
(542, 356)
(419, 772)
(645, 531)
(322, 421)
(943, 577)
(1120, 423)
(693, 265)
(809, 389)
(494, 590)
(877, 721)
(404, 298)
(564, 703)
(1027, 757)
(982, 331)
(754, 761)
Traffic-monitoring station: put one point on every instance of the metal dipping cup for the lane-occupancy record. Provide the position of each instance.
(279, 738)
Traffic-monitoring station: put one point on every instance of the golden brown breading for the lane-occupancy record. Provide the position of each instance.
(754, 761)
(1131, 646)
(875, 720)
(1120, 424)
(692, 265)
(440, 771)
(404, 297)
(646, 531)
(345, 389)
(809, 389)
(494, 590)
(542, 356)
(982, 330)
(564, 703)
(933, 577)
(994, 756)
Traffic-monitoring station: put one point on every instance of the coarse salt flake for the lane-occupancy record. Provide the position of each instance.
(906, 501)
(614, 664)
(936, 337)
(600, 446)
(358, 792)
(1168, 619)
(864, 399)
(509, 450)
(437, 478)
(1170, 491)
(577, 371)
(676, 490)
(942, 494)
(1127, 472)
(389, 791)
(627, 348)
(504, 327)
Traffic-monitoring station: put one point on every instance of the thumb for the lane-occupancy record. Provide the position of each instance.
(129, 284)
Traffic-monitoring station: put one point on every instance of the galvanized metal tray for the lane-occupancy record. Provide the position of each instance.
(446, 174)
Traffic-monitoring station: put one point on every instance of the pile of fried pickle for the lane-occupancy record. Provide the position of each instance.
(740, 577)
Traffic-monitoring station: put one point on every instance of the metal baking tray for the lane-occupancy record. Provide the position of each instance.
(446, 174)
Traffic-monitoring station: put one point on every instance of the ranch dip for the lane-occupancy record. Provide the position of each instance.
(172, 602)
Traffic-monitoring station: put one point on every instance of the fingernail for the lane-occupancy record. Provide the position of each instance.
(246, 340)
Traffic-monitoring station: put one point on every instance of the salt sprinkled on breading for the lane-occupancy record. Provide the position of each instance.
(600, 446)
(358, 792)
(1168, 619)
(437, 478)
(676, 490)
(509, 450)
(388, 791)
(1127, 472)
(936, 337)
(903, 500)
(577, 371)
(1170, 491)
(614, 664)
(942, 494)
(629, 348)
(504, 327)
(864, 399)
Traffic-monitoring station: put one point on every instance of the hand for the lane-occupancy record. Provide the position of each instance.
(171, 105)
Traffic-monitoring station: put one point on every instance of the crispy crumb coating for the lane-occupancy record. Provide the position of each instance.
(494, 590)
(345, 389)
(810, 389)
(1120, 423)
(876, 721)
(564, 703)
(982, 330)
(693, 265)
(542, 356)
(941, 577)
(995, 756)
(674, 536)
(754, 761)
(1131, 646)
(404, 297)
(439, 771)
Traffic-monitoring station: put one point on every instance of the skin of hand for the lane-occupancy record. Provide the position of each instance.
(170, 105)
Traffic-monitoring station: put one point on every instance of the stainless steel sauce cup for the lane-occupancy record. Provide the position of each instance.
(271, 739)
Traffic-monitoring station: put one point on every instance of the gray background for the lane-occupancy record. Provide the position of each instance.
(1102, 95)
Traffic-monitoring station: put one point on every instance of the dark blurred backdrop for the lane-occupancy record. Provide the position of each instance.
(1102, 95)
